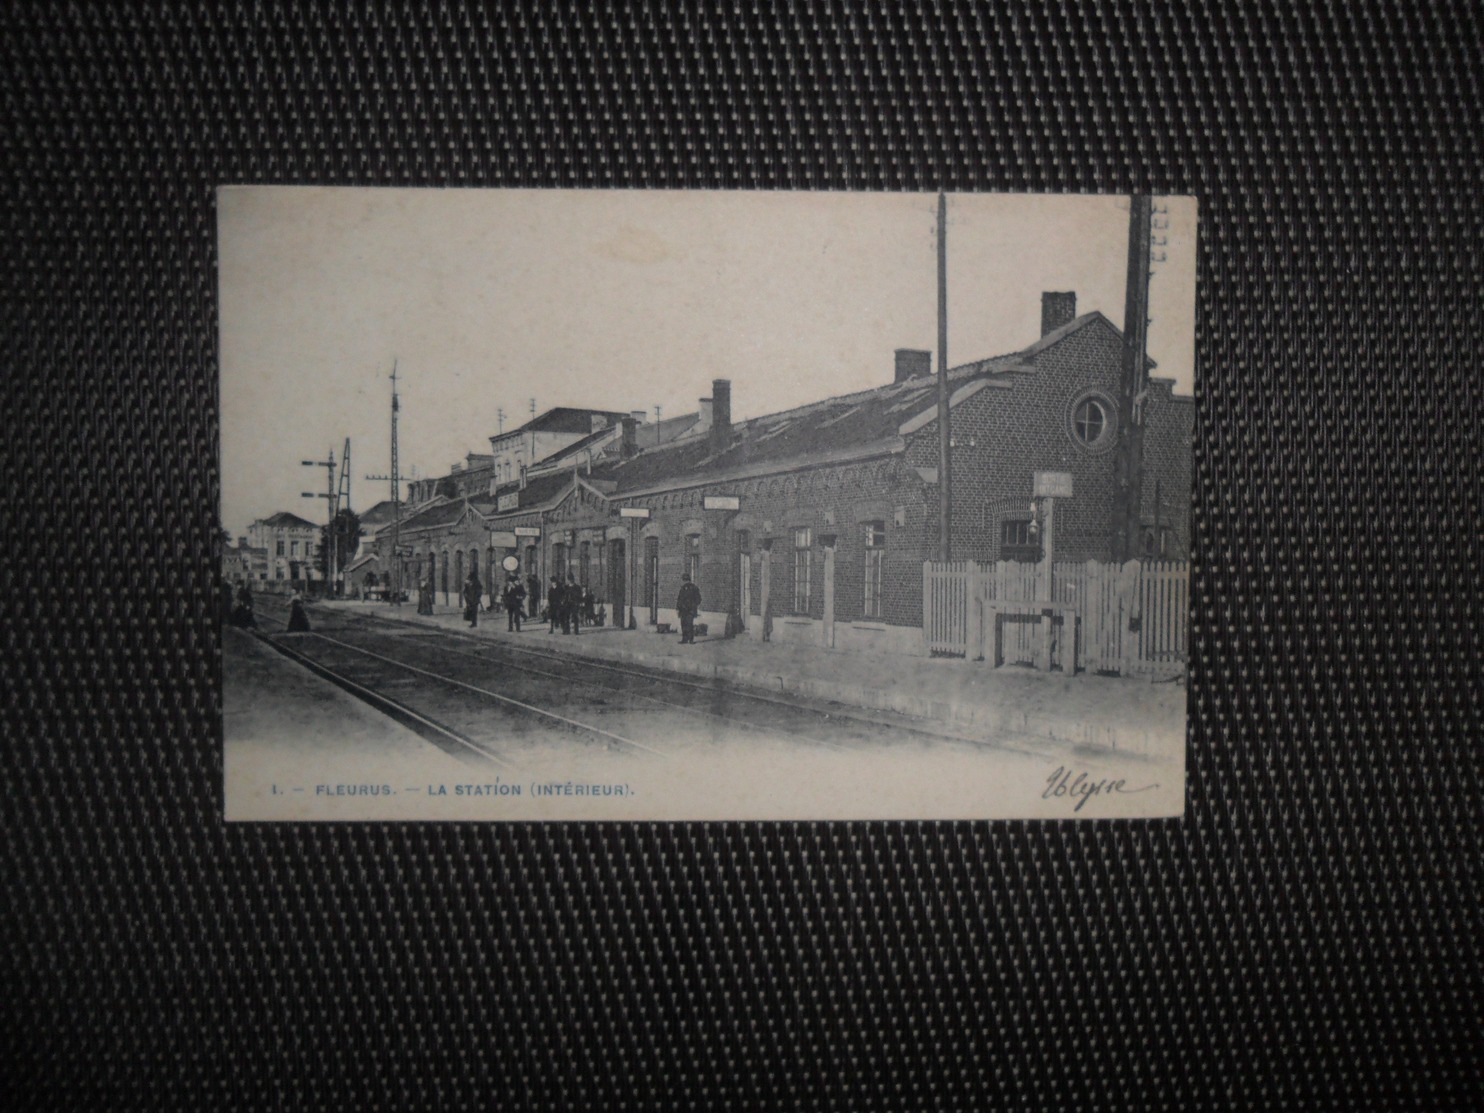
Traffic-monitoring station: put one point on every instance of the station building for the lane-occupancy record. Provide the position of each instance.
(812, 525)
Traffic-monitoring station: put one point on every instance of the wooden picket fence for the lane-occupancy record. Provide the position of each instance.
(1129, 619)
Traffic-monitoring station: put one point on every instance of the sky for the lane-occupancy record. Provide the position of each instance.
(620, 300)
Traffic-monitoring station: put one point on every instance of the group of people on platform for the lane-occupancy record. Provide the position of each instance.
(568, 603)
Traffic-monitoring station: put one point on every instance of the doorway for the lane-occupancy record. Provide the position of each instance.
(618, 580)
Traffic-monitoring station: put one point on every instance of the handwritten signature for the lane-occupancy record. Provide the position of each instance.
(1062, 784)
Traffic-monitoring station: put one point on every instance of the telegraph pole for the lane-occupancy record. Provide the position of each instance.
(945, 443)
(395, 584)
(1134, 382)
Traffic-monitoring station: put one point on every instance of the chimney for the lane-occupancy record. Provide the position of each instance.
(629, 445)
(1057, 309)
(913, 362)
(721, 415)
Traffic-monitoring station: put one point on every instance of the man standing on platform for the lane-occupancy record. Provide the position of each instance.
(688, 605)
(553, 603)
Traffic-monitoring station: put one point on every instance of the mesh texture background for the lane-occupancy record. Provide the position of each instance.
(1307, 935)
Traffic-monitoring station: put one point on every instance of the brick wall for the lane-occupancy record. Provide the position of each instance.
(829, 499)
(1003, 435)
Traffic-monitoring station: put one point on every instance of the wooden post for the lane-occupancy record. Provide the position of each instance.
(765, 582)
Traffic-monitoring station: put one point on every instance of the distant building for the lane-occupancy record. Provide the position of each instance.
(289, 543)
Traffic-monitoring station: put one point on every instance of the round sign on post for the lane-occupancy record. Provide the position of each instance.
(510, 563)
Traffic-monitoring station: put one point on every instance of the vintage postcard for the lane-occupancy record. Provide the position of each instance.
(643, 505)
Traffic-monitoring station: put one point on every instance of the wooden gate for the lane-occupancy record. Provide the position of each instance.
(1129, 618)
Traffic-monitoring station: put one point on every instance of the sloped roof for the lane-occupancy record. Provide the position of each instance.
(287, 520)
(379, 513)
(577, 447)
(538, 491)
(565, 420)
(441, 512)
(868, 421)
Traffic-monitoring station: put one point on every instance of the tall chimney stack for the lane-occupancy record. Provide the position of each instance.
(1057, 309)
(629, 446)
(913, 362)
(721, 415)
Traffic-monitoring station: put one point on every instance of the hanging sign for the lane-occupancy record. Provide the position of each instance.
(634, 513)
(528, 532)
(502, 539)
(721, 503)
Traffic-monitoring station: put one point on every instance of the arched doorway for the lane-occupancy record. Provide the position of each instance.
(458, 574)
(444, 578)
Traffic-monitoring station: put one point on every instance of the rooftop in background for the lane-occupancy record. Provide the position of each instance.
(831, 427)
(286, 520)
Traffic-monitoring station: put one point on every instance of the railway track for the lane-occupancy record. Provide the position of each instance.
(490, 694)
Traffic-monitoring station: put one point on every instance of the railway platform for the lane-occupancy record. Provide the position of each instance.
(1086, 711)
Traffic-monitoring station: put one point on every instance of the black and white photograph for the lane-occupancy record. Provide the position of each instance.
(695, 505)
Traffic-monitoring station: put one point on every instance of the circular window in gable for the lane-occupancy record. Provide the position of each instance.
(1093, 421)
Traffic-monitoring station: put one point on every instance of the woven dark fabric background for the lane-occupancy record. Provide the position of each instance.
(1309, 933)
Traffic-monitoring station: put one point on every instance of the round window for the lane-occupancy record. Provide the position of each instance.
(1092, 421)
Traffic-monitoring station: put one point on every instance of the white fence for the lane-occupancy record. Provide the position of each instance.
(1129, 618)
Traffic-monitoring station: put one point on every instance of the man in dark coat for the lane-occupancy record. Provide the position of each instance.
(425, 596)
(513, 599)
(688, 604)
(473, 593)
(553, 603)
(572, 603)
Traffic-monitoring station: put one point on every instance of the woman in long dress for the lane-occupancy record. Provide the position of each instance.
(298, 617)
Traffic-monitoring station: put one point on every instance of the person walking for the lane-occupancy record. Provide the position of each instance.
(298, 616)
(473, 591)
(425, 596)
(688, 604)
(513, 599)
(553, 604)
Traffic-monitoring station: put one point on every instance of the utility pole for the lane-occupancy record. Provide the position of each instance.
(945, 441)
(1134, 382)
(396, 480)
(330, 495)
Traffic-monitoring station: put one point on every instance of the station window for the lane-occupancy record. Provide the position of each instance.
(693, 557)
(875, 540)
(803, 563)
(1017, 543)
(280, 548)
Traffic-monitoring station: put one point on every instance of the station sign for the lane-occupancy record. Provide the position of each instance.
(721, 503)
(634, 513)
(1052, 484)
(528, 532)
(507, 501)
